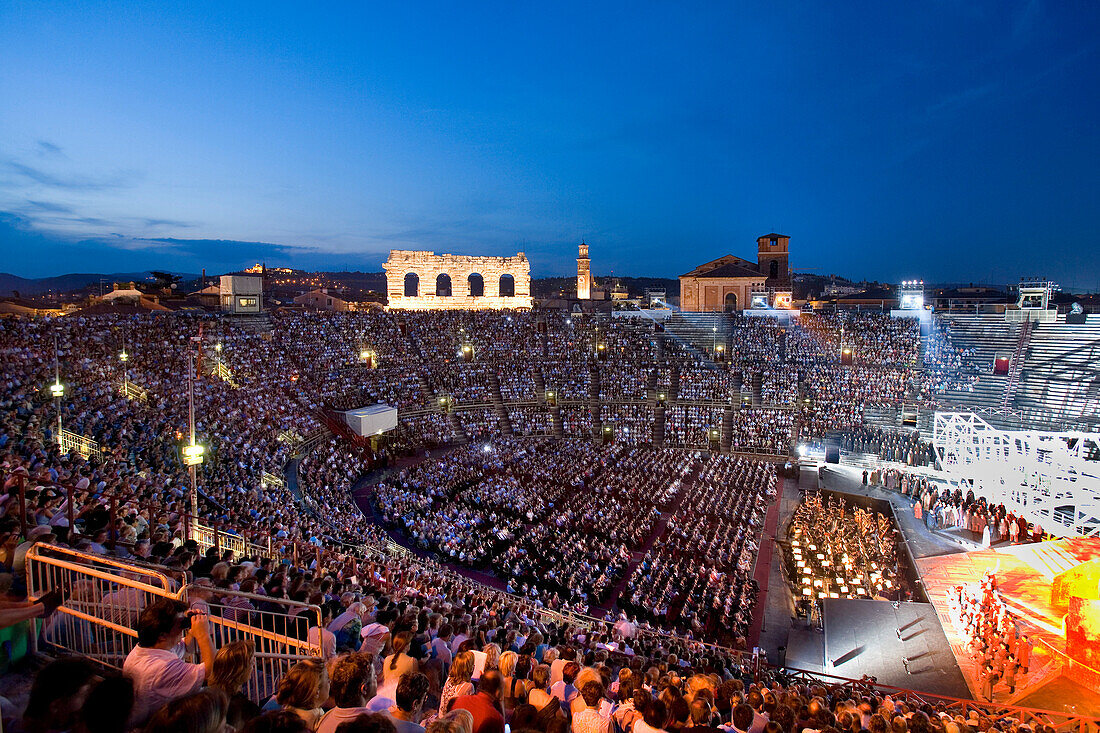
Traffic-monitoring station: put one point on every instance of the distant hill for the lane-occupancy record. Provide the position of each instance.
(71, 283)
(547, 287)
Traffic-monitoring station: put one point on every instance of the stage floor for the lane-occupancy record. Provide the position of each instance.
(1024, 575)
(861, 638)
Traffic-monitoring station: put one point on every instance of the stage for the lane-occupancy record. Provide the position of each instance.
(944, 559)
(861, 638)
(1025, 574)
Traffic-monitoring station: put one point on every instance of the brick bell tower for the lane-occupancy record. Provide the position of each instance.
(584, 274)
(772, 253)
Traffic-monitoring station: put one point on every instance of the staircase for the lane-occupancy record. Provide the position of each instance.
(700, 331)
(1017, 364)
(556, 425)
(727, 429)
(504, 423)
(426, 391)
(461, 436)
(540, 381)
(594, 402)
(658, 437)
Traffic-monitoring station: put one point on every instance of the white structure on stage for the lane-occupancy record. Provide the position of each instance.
(372, 419)
(1052, 479)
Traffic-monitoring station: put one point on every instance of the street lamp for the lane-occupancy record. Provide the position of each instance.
(57, 389)
(192, 453)
(124, 357)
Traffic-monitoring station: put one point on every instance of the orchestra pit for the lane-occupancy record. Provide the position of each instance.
(325, 512)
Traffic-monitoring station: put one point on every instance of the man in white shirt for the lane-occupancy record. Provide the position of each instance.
(154, 665)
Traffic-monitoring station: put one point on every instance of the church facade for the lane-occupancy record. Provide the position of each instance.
(731, 283)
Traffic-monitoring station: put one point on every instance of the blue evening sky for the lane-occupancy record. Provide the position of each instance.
(943, 140)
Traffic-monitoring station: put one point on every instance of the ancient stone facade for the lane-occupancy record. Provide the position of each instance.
(419, 280)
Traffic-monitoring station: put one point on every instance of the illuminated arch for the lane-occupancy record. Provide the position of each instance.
(476, 284)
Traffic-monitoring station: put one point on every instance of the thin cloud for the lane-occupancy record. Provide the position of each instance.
(176, 223)
(45, 147)
(50, 207)
(70, 183)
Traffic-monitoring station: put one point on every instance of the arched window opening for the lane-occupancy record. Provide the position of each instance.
(731, 302)
(412, 285)
(773, 269)
(443, 286)
(477, 285)
(507, 286)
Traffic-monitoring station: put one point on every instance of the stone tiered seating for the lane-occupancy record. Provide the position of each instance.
(988, 336)
(1055, 371)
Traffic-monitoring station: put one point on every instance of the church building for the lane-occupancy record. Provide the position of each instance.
(731, 283)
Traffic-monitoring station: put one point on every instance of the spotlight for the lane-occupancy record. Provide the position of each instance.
(487, 448)
(802, 450)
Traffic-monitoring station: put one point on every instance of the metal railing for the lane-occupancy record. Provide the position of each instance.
(270, 479)
(994, 712)
(278, 628)
(206, 537)
(82, 444)
(131, 391)
(105, 598)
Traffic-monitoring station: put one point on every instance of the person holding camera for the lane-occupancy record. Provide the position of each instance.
(156, 666)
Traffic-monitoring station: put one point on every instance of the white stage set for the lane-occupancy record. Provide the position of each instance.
(1052, 479)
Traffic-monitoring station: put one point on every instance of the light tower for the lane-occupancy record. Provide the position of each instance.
(584, 274)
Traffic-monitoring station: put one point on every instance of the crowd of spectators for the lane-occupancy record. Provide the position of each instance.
(697, 576)
(560, 523)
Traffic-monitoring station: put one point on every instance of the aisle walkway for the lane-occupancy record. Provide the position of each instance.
(763, 570)
(638, 555)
